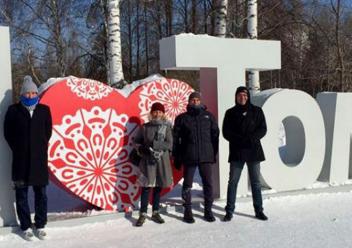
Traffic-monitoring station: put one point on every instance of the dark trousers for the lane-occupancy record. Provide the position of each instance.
(40, 207)
(205, 171)
(254, 177)
(145, 199)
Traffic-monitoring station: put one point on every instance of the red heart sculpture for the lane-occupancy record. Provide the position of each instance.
(93, 127)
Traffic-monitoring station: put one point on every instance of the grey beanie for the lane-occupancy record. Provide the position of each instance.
(194, 94)
(28, 85)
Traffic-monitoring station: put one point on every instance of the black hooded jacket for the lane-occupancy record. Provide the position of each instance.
(196, 137)
(243, 127)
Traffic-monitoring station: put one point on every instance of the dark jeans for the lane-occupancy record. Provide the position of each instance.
(40, 206)
(145, 199)
(254, 177)
(205, 171)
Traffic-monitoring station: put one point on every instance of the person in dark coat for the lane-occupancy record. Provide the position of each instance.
(196, 142)
(27, 130)
(154, 143)
(244, 125)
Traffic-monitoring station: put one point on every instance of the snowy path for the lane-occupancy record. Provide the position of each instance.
(307, 220)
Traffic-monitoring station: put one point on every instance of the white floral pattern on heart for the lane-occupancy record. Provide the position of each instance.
(88, 153)
(170, 92)
(88, 89)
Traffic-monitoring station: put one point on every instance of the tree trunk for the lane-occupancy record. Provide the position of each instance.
(341, 65)
(138, 40)
(146, 37)
(236, 30)
(169, 16)
(159, 19)
(252, 33)
(130, 40)
(194, 16)
(59, 46)
(185, 19)
(220, 18)
(115, 73)
(205, 16)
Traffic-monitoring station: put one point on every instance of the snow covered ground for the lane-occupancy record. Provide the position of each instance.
(303, 219)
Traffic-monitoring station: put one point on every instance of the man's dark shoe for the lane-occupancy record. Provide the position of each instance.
(188, 219)
(261, 216)
(157, 218)
(188, 216)
(227, 217)
(141, 219)
(208, 216)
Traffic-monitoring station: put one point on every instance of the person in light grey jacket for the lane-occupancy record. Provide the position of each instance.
(154, 143)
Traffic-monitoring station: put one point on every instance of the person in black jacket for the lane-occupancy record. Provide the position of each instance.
(196, 141)
(27, 130)
(244, 125)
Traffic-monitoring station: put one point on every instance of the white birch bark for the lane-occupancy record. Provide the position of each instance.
(115, 73)
(253, 76)
(220, 18)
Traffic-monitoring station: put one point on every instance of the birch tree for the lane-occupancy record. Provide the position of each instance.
(115, 72)
(220, 18)
(252, 29)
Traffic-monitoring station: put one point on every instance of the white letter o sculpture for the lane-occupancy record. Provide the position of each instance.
(305, 136)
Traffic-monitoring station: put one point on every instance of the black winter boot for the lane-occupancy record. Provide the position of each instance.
(209, 216)
(261, 216)
(157, 218)
(141, 219)
(227, 217)
(188, 215)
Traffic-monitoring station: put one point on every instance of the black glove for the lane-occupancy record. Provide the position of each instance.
(144, 150)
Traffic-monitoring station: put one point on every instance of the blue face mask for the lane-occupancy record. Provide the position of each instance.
(29, 101)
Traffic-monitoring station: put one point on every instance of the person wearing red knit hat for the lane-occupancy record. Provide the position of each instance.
(154, 143)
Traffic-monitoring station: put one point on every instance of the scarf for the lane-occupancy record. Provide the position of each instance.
(29, 103)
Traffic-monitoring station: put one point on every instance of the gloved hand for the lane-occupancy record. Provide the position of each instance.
(144, 150)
